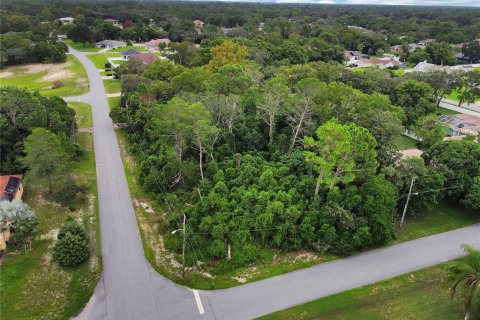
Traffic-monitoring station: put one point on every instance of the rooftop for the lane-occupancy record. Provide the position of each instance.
(130, 52)
(9, 186)
(144, 57)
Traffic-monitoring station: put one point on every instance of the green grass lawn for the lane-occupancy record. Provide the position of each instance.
(89, 47)
(398, 72)
(441, 111)
(418, 295)
(455, 95)
(32, 286)
(444, 217)
(405, 142)
(41, 77)
(138, 48)
(100, 59)
(112, 85)
(113, 102)
(83, 114)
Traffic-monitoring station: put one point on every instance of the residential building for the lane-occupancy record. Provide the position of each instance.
(154, 44)
(380, 63)
(111, 44)
(126, 54)
(11, 187)
(198, 23)
(112, 21)
(354, 56)
(409, 153)
(145, 58)
(67, 20)
(424, 66)
(461, 124)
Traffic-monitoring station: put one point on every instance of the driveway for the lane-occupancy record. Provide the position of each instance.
(130, 289)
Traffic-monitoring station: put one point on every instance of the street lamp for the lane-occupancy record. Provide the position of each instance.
(183, 245)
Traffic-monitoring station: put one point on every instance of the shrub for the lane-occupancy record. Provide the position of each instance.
(72, 227)
(66, 190)
(71, 250)
(57, 84)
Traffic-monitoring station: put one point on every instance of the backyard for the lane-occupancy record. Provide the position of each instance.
(100, 59)
(61, 79)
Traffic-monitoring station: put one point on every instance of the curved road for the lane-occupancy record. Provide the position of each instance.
(130, 289)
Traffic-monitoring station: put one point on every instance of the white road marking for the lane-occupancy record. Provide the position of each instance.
(198, 301)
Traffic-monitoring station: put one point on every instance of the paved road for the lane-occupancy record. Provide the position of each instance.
(131, 290)
(472, 109)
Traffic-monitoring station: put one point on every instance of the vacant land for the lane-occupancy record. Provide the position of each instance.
(150, 217)
(418, 295)
(88, 47)
(62, 79)
(83, 113)
(32, 286)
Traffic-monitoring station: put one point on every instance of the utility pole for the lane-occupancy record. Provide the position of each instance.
(184, 236)
(406, 204)
(183, 248)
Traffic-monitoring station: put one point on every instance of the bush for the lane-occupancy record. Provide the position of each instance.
(72, 227)
(57, 84)
(66, 190)
(71, 250)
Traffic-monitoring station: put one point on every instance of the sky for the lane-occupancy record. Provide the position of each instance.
(469, 3)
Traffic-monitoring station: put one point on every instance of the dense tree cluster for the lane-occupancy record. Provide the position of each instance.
(289, 157)
(20, 113)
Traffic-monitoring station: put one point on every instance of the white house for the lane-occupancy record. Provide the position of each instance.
(67, 20)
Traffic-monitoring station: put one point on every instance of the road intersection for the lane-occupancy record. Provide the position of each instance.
(130, 288)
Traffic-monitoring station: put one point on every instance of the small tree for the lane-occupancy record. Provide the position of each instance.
(466, 277)
(44, 154)
(21, 220)
(472, 199)
(71, 248)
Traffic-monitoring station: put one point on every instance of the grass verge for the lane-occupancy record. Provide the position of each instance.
(32, 286)
(444, 217)
(83, 114)
(418, 295)
(113, 102)
(112, 85)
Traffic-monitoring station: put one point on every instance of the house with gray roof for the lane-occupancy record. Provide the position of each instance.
(111, 44)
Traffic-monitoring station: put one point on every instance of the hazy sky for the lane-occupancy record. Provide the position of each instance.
(471, 3)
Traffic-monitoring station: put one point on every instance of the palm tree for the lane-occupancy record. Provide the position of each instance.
(466, 276)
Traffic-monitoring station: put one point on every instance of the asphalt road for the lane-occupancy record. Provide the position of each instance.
(131, 290)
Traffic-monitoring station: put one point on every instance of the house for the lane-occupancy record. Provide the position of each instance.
(426, 42)
(354, 56)
(67, 20)
(380, 63)
(461, 124)
(465, 59)
(112, 21)
(409, 153)
(198, 23)
(126, 54)
(145, 58)
(424, 66)
(11, 187)
(154, 45)
(111, 44)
